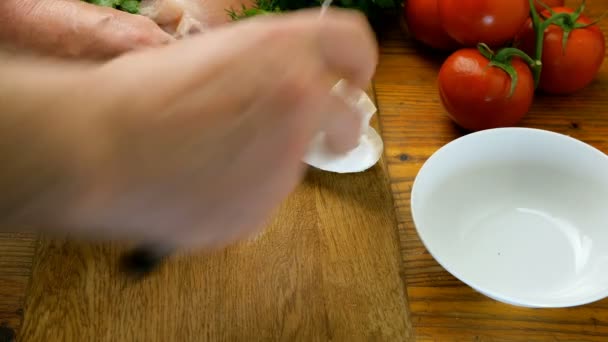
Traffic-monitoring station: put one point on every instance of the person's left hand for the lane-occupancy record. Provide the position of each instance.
(74, 28)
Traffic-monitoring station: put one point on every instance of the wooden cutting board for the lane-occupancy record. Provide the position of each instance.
(17, 252)
(327, 268)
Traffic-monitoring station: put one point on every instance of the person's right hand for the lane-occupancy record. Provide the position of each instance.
(196, 143)
(74, 28)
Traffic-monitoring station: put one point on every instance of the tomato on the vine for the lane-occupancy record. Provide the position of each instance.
(569, 65)
(493, 22)
(478, 93)
(549, 3)
(422, 19)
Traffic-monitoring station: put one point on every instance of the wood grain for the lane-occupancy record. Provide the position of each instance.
(17, 251)
(327, 268)
(414, 125)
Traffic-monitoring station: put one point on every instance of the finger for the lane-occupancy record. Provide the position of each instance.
(342, 39)
(342, 125)
(74, 28)
(288, 72)
(348, 46)
(113, 32)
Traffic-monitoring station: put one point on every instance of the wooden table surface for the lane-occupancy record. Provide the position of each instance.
(339, 261)
(414, 126)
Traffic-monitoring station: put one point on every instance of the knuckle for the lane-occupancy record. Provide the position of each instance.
(105, 20)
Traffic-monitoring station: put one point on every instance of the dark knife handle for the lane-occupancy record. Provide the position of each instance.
(144, 259)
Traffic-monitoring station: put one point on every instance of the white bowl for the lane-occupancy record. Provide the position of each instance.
(518, 214)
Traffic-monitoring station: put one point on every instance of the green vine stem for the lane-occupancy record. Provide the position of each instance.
(503, 58)
(507, 53)
(486, 51)
(566, 21)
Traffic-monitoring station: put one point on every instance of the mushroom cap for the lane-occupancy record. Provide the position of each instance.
(365, 155)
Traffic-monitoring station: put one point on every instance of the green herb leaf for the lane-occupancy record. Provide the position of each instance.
(104, 3)
(131, 6)
(368, 7)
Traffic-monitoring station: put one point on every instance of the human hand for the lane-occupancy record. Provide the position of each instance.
(194, 144)
(74, 28)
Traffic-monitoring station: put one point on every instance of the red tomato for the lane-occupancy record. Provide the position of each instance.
(566, 71)
(493, 22)
(422, 19)
(477, 97)
(550, 3)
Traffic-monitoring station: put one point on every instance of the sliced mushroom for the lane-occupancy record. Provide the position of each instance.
(365, 155)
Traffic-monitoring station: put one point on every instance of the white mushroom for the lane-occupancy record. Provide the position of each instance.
(362, 157)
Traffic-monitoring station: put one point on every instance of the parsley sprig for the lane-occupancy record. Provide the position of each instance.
(131, 6)
(260, 7)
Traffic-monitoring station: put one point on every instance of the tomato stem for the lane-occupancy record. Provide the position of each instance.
(540, 36)
(485, 50)
(503, 58)
(506, 54)
(544, 5)
(595, 22)
(579, 11)
(539, 29)
(508, 68)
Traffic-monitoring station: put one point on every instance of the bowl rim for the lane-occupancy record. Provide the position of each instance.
(485, 291)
